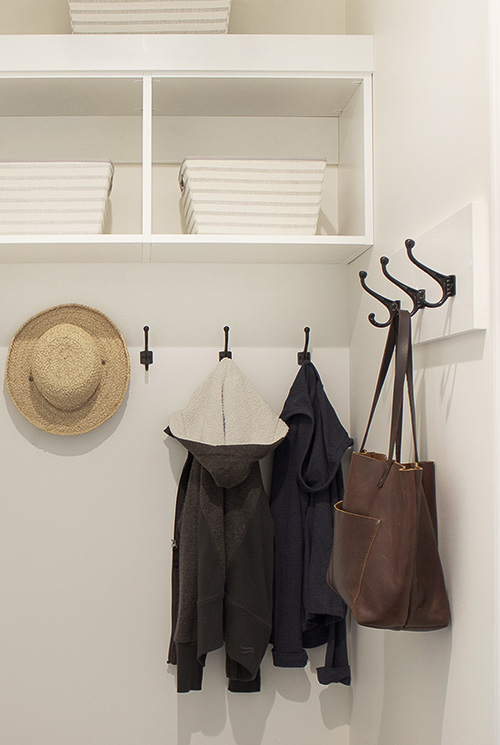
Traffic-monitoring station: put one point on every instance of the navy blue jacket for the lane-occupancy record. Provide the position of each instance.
(306, 483)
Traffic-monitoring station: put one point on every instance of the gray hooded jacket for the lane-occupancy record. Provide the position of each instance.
(222, 570)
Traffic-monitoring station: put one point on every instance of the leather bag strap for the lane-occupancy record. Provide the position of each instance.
(400, 371)
(411, 393)
(403, 371)
(411, 400)
(390, 345)
(398, 344)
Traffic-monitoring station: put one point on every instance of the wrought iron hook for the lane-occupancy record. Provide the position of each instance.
(417, 296)
(304, 356)
(392, 305)
(146, 356)
(447, 282)
(225, 353)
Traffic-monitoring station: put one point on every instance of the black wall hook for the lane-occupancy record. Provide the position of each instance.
(417, 296)
(146, 356)
(447, 282)
(304, 356)
(225, 353)
(392, 305)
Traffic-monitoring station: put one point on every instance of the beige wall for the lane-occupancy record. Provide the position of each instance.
(247, 17)
(86, 521)
(431, 139)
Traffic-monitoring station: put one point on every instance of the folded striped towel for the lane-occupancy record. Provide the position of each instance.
(251, 196)
(149, 16)
(55, 197)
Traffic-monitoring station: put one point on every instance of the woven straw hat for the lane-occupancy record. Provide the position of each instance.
(67, 369)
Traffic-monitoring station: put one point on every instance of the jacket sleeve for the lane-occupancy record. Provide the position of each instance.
(181, 496)
(288, 650)
(189, 668)
(336, 668)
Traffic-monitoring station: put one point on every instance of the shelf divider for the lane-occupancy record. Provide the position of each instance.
(147, 158)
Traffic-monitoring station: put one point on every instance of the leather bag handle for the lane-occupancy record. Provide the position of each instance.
(398, 344)
(411, 399)
(390, 345)
(403, 371)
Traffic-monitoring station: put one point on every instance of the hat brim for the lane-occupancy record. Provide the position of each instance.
(109, 393)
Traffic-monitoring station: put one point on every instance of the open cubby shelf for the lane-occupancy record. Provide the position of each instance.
(148, 102)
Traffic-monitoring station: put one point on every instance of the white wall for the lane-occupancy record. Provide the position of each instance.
(86, 521)
(431, 142)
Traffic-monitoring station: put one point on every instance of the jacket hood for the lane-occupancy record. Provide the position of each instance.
(328, 440)
(227, 425)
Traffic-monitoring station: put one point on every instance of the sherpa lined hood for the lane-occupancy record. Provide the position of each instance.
(227, 425)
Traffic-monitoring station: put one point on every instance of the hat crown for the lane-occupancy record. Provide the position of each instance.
(66, 366)
(67, 369)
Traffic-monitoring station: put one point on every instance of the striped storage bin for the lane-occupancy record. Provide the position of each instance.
(149, 16)
(243, 196)
(54, 197)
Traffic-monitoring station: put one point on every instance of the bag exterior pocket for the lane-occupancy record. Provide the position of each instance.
(354, 536)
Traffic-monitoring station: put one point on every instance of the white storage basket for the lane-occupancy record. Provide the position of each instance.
(149, 16)
(249, 196)
(54, 197)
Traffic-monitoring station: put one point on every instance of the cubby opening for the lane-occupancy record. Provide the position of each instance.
(79, 119)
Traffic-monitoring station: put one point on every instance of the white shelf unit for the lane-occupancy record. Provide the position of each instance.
(147, 102)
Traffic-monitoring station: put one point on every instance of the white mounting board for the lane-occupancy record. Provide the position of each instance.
(458, 245)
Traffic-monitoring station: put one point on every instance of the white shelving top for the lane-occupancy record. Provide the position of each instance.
(186, 54)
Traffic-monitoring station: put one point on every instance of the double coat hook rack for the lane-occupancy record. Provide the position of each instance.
(447, 282)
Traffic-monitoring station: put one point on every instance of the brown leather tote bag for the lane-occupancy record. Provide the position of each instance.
(385, 562)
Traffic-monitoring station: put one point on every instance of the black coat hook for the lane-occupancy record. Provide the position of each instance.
(304, 356)
(447, 282)
(225, 353)
(392, 305)
(146, 356)
(417, 296)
